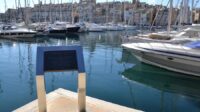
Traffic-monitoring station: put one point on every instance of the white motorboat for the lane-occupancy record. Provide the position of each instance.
(39, 26)
(62, 28)
(129, 27)
(103, 26)
(14, 32)
(190, 33)
(175, 57)
(126, 27)
(94, 28)
(114, 27)
(83, 27)
(72, 28)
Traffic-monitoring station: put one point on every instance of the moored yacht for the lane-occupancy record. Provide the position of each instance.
(114, 27)
(8, 31)
(55, 32)
(72, 28)
(62, 28)
(129, 27)
(175, 57)
(94, 28)
(190, 33)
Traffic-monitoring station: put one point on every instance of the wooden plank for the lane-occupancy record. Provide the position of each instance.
(62, 100)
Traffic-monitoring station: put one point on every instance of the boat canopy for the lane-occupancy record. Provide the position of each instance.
(193, 45)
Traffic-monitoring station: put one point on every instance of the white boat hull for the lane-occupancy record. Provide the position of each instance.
(170, 62)
(130, 27)
(114, 29)
(17, 33)
(18, 36)
(95, 30)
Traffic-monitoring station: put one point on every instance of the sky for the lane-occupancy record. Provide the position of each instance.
(11, 3)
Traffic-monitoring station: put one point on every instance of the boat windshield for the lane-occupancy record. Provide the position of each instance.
(8, 27)
(193, 45)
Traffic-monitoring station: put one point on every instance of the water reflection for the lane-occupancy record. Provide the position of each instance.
(64, 36)
(164, 80)
(20, 61)
(30, 70)
(170, 85)
(64, 41)
(53, 82)
(1, 87)
(74, 36)
(89, 61)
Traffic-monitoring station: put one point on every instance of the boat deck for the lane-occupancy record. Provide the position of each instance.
(62, 100)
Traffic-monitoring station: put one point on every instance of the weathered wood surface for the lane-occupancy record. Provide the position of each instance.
(62, 100)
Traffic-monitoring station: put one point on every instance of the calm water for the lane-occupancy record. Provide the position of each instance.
(112, 75)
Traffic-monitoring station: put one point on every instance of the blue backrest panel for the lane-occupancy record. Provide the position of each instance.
(59, 58)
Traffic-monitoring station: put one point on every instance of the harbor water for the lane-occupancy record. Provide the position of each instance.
(113, 75)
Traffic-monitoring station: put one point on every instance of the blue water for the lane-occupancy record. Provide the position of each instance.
(113, 74)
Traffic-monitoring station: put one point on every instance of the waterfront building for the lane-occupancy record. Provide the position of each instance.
(2, 17)
(52, 12)
(87, 10)
(90, 11)
(10, 15)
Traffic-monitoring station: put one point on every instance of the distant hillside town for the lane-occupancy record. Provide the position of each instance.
(132, 13)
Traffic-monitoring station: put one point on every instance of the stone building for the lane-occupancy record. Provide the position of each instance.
(10, 15)
(87, 10)
(90, 11)
(52, 12)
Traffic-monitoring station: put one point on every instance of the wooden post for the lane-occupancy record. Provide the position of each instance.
(82, 92)
(41, 93)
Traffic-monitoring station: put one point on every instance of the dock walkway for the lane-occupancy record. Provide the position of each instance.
(62, 100)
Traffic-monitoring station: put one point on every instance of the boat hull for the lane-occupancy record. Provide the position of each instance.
(60, 31)
(17, 35)
(73, 29)
(95, 29)
(169, 62)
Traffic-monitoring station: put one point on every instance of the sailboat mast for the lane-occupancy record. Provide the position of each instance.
(124, 12)
(5, 9)
(191, 15)
(5, 5)
(50, 14)
(107, 11)
(16, 4)
(186, 12)
(72, 12)
(45, 19)
(61, 10)
(170, 16)
(39, 10)
(25, 3)
(113, 16)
